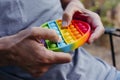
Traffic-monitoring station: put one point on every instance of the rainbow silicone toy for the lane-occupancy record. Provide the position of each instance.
(74, 36)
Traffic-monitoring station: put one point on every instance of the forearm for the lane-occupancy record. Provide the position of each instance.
(66, 2)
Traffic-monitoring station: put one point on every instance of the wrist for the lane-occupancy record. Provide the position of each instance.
(6, 42)
(3, 43)
(9, 41)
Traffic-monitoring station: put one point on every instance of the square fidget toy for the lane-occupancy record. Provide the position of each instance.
(73, 36)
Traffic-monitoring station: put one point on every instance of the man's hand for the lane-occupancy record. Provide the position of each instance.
(26, 51)
(75, 10)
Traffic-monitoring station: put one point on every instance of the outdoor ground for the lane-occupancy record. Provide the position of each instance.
(102, 50)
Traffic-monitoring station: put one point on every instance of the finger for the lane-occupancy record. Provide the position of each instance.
(96, 34)
(58, 57)
(96, 24)
(42, 33)
(68, 14)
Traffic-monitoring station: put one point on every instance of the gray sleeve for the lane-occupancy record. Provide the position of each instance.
(83, 67)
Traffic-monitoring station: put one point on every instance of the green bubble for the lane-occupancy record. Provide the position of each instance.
(47, 41)
(46, 27)
(53, 45)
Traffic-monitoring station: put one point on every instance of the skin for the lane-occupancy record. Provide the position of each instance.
(75, 10)
(25, 50)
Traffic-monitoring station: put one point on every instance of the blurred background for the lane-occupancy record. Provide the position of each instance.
(109, 11)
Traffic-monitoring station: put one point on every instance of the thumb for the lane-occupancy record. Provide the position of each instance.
(67, 16)
(60, 57)
(69, 12)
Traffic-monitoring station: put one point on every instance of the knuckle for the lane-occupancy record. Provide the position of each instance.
(32, 30)
(53, 32)
(45, 58)
(44, 70)
(66, 14)
(96, 15)
(37, 73)
(46, 61)
(93, 14)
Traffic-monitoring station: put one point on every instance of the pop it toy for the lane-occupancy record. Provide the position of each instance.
(72, 36)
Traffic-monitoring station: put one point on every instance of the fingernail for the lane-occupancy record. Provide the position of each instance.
(60, 39)
(64, 24)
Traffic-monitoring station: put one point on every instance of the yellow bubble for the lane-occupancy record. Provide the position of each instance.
(67, 34)
(76, 32)
(71, 26)
(78, 36)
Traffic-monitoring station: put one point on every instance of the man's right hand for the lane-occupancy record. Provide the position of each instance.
(25, 50)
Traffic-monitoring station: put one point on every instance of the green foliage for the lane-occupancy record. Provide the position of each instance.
(102, 8)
